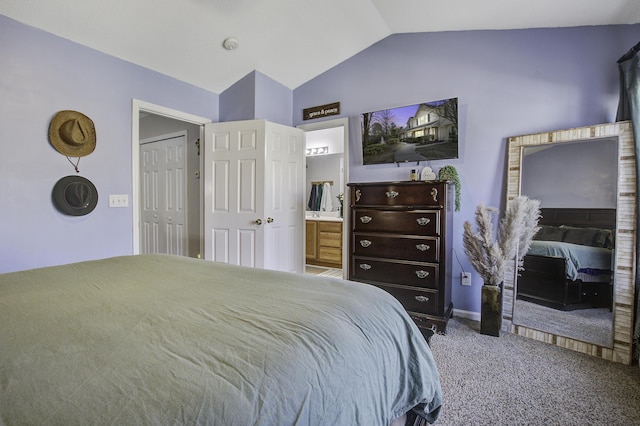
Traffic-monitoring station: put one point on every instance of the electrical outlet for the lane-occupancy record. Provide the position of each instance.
(465, 278)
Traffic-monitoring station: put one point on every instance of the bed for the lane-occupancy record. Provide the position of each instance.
(159, 339)
(570, 263)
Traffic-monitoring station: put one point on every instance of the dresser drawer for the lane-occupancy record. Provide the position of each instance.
(330, 254)
(329, 238)
(415, 274)
(400, 194)
(415, 300)
(414, 222)
(326, 226)
(421, 249)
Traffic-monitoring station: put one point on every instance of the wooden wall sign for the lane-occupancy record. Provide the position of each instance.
(321, 111)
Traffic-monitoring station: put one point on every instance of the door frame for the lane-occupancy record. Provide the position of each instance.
(329, 124)
(138, 106)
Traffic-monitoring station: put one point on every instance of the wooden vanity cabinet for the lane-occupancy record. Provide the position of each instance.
(324, 243)
(311, 240)
(400, 240)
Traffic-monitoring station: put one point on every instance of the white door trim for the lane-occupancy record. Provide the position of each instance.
(328, 124)
(138, 106)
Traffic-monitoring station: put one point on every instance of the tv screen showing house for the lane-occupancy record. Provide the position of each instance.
(420, 132)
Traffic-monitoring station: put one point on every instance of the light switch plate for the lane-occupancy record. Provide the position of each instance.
(118, 200)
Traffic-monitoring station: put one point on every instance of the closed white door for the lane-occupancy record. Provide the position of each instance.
(253, 194)
(164, 199)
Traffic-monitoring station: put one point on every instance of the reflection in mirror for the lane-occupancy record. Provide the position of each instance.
(578, 190)
(567, 285)
(325, 169)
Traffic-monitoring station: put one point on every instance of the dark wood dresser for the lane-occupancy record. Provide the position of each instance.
(400, 240)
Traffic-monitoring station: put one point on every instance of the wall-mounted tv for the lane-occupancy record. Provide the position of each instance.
(421, 132)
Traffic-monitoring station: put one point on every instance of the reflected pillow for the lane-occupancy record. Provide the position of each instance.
(610, 242)
(550, 233)
(593, 237)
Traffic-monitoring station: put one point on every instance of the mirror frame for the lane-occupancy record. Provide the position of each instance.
(624, 273)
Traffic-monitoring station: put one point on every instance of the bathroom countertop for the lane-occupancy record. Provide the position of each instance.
(324, 218)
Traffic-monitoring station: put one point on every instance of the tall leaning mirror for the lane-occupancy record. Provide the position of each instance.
(577, 287)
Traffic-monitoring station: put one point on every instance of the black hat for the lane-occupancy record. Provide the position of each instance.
(75, 196)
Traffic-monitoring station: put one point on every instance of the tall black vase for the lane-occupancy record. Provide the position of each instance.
(491, 310)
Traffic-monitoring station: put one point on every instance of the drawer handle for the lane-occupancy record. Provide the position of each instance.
(422, 299)
(422, 247)
(365, 243)
(422, 274)
(391, 194)
(422, 221)
(365, 266)
(365, 219)
(434, 194)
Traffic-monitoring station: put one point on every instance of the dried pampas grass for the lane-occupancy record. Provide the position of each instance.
(489, 257)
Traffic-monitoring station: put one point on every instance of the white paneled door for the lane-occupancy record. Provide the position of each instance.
(253, 194)
(164, 199)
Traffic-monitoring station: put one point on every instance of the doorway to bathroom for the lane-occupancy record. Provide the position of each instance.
(326, 172)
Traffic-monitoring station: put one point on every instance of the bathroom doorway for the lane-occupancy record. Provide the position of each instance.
(326, 174)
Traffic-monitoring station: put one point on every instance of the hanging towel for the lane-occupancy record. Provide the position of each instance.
(318, 197)
(326, 204)
(312, 198)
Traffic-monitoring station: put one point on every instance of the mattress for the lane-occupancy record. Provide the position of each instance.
(582, 261)
(158, 339)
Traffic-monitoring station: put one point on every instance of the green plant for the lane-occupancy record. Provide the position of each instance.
(449, 172)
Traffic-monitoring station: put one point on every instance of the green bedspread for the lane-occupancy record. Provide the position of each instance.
(156, 339)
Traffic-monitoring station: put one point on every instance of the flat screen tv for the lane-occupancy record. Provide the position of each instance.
(421, 132)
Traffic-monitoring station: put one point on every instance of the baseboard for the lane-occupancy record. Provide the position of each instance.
(474, 316)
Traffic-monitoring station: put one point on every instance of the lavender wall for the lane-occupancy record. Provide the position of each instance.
(508, 83)
(256, 96)
(274, 101)
(238, 101)
(43, 74)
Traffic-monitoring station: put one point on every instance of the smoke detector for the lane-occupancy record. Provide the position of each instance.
(230, 43)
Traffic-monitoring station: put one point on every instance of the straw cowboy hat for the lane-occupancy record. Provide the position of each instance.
(72, 134)
(74, 196)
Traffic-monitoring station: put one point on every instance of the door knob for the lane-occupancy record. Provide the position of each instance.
(270, 219)
(258, 221)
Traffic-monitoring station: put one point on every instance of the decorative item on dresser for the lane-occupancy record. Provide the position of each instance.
(400, 241)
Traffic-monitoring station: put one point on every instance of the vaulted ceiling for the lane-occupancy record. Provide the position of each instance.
(291, 41)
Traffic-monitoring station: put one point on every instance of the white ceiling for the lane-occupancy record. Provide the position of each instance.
(291, 41)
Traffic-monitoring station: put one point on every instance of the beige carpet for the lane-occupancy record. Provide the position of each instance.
(510, 380)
